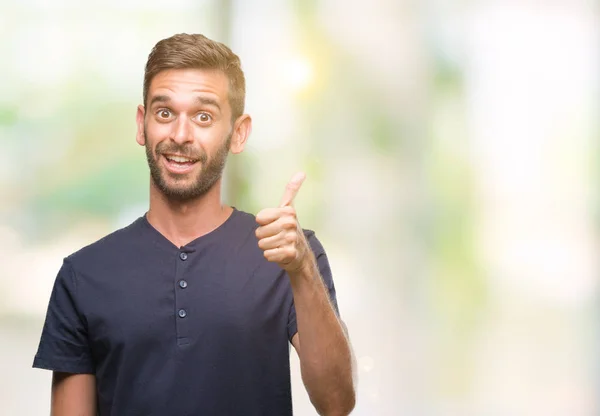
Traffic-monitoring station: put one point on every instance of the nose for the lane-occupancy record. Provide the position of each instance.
(182, 131)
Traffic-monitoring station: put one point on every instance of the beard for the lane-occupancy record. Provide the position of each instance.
(178, 187)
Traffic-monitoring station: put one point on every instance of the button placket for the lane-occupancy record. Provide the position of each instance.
(181, 298)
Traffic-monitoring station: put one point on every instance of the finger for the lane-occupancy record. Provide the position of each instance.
(292, 189)
(282, 239)
(283, 255)
(271, 242)
(268, 215)
(274, 228)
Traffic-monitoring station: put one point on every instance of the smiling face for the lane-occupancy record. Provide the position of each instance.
(187, 131)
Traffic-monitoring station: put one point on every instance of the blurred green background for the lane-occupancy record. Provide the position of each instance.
(451, 150)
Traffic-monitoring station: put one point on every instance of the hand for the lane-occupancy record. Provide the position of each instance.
(279, 235)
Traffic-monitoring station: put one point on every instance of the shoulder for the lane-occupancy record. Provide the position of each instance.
(248, 220)
(119, 241)
(314, 242)
(246, 225)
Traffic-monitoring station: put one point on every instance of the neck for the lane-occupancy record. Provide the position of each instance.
(182, 222)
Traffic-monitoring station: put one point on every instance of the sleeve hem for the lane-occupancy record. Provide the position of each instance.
(63, 367)
(292, 330)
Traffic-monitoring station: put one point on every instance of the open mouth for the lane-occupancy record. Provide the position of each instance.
(178, 164)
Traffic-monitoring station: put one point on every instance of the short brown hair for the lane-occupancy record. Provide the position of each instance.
(195, 51)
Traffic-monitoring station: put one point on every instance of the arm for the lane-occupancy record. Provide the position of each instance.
(64, 348)
(325, 354)
(73, 394)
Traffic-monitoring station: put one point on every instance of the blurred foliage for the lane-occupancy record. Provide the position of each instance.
(8, 115)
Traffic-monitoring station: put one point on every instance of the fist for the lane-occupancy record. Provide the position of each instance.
(279, 234)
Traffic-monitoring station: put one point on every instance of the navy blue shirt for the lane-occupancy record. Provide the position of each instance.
(201, 329)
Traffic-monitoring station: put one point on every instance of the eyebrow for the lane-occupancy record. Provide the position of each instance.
(208, 101)
(200, 100)
(159, 99)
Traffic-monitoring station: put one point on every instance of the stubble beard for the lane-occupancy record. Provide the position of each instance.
(210, 172)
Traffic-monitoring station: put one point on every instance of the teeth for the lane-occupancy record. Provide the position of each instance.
(179, 159)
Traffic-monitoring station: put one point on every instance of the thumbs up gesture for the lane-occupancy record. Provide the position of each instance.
(279, 234)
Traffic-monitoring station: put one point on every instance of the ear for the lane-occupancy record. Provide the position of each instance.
(139, 119)
(241, 131)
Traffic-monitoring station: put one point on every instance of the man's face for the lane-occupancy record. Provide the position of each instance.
(186, 131)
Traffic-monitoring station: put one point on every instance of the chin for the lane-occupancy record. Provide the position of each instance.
(181, 192)
(185, 193)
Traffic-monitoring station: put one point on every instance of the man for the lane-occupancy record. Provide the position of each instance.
(188, 310)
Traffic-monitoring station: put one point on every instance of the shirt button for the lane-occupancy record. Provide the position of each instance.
(182, 313)
(182, 284)
(183, 256)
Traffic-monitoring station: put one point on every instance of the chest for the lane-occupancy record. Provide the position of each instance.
(186, 299)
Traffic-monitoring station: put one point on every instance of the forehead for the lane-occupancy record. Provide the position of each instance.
(182, 85)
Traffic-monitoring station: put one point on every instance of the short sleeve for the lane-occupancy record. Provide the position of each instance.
(325, 270)
(64, 343)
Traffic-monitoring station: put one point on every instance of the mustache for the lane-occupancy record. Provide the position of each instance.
(182, 150)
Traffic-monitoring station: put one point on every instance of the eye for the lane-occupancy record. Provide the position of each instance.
(164, 114)
(204, 117)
